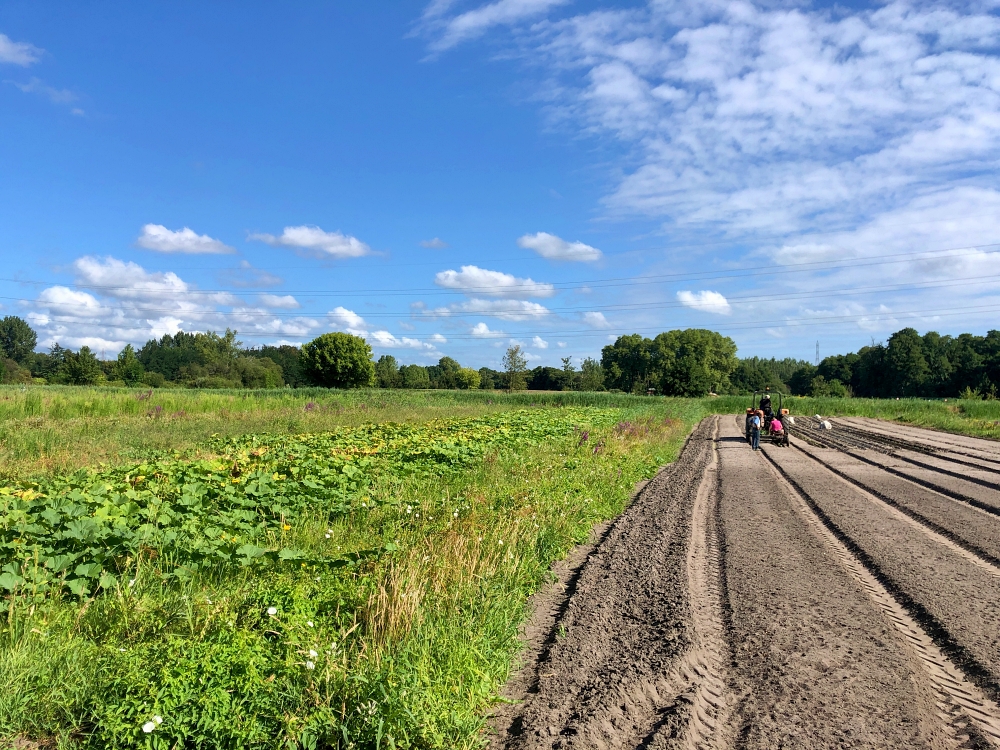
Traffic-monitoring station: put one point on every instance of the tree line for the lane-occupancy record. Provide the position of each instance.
(690, 362)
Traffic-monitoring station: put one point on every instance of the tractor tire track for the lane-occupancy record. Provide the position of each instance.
(985, 503)
(966, 530)
(634, 659)
(967, 714)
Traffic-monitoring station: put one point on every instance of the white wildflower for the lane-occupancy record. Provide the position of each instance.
(310, 623)
(158, 720)
(310, 665)
(272, 611)
(327, 536)
(312, 654)
(148, 727)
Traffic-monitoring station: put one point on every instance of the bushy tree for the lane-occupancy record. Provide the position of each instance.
(387, 372)
(514, 366)
(128, 368)
(17, 339)
(591, 375)
(488, 379)
(339, 360)
(414, 377)
(287, 357)
(467, 378)
(82, 368)
(444, 374)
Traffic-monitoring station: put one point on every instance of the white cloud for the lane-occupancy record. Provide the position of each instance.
(18, 53)
(157, 237)
(60, 300)
(435, 244)
(437, 338)
(539, 343)
(505, 309)
(482, 331)
(474, 23)
(117, 302)
(596, 320)
(313, 241)
(561, 344)
(387, 340)
(555, 248)
(54, 95)
(282, 302)
(349, 321)
(492, 283)
(705, 301)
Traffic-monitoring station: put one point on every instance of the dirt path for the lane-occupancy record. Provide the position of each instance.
(796, 597)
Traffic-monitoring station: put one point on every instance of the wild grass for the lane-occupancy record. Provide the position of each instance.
(406, 650)
(57, 429)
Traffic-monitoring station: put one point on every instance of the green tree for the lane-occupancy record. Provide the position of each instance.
(488, 378)
(591, 375)
(445, 373)
(906, 364)
(339, 360)
(287, 357)
(387, 372)
(128, 368)
(467, 379)
(17, 339)
(628, 363)
(414, 377)
(514, 366)
(693, 362)
(257, 372)
(82, 368)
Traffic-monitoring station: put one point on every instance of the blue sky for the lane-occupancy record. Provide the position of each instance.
(446, 178)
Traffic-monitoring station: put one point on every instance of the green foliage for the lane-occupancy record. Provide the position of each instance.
(379, 613)
(17, 339)
(128, 368)
(514, 366)
(467, 379)
(387, 373)
(691, 362)
(591, 375)
(414, 377)
(339, 360)
(82, 368)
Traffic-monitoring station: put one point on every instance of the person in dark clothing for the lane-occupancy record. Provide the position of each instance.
(755, 432)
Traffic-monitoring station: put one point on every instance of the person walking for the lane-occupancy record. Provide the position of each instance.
(755, 432)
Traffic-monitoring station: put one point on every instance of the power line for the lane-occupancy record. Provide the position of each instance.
(527, 289)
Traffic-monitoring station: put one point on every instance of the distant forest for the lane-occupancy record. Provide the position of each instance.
(692, 362)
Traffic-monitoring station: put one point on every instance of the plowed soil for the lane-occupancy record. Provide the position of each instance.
(842, 592)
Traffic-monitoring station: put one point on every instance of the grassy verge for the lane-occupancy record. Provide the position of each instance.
(371, 599)
(977, 418)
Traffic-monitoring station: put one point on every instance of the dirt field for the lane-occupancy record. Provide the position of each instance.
(840, 592)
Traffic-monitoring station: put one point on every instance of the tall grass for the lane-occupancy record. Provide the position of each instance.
(410, 650)
(57, 429)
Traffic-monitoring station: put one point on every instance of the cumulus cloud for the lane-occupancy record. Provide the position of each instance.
(435, 244)
(281, 302)
(18, 53)
(116, 302)
(596, 320)
(482, 331)
(348, 321)
(492, 283)
(555, 248)
(505, 309)
(706, 301)
(539, 343)
(314, 242)
(157, 237)
(450, 30)
(437, 338)
(386, 340)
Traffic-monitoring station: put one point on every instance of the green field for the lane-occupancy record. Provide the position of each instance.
(295, 568)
